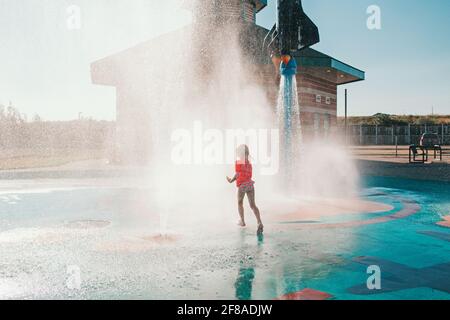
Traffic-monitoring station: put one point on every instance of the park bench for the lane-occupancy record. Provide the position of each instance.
(420, 153)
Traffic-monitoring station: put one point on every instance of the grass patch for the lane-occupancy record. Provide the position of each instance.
(31, 159)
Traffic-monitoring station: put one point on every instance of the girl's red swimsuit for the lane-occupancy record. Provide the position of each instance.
(244, 172)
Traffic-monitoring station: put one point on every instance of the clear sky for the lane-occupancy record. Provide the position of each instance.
(44, 65)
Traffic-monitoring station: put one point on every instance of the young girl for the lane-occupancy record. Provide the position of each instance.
(243, 178)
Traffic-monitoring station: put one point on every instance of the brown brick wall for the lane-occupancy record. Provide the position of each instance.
(227, 10)
(249, 11)
(318, 104)
(317, 117)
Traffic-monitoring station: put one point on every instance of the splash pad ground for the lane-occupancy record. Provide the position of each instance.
(313, 250)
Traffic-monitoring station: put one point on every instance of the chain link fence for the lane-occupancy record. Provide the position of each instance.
(365, 135)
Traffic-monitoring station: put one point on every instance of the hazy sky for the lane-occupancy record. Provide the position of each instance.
(44, 65)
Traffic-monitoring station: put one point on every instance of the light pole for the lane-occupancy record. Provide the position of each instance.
(346, 114)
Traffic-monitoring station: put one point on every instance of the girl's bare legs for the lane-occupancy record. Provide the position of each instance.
(241, 196)
(251, 200)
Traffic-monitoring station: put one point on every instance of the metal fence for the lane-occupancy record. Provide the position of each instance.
(393, 135)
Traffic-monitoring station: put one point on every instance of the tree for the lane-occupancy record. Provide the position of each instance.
(36, 118)
(383, 119)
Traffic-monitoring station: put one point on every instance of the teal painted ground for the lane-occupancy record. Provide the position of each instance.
(45, 236)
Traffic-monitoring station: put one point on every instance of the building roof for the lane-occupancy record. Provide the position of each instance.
(328, 67)
(124, 65)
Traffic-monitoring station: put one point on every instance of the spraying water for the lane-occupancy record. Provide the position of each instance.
(196, 74)
(207, 73)
(305, 166)
(288, 111)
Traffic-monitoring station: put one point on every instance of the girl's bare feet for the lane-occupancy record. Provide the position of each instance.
(260, 229)
(241, 224)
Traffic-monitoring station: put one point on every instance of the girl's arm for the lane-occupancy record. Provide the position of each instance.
(232, 180)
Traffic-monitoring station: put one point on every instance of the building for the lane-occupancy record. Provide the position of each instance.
(217, 24)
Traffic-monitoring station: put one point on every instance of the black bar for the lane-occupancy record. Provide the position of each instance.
(178, 309)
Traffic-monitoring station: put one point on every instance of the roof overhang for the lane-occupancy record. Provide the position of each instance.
(328, 68)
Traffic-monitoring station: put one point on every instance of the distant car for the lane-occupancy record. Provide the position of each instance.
(430, 140)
